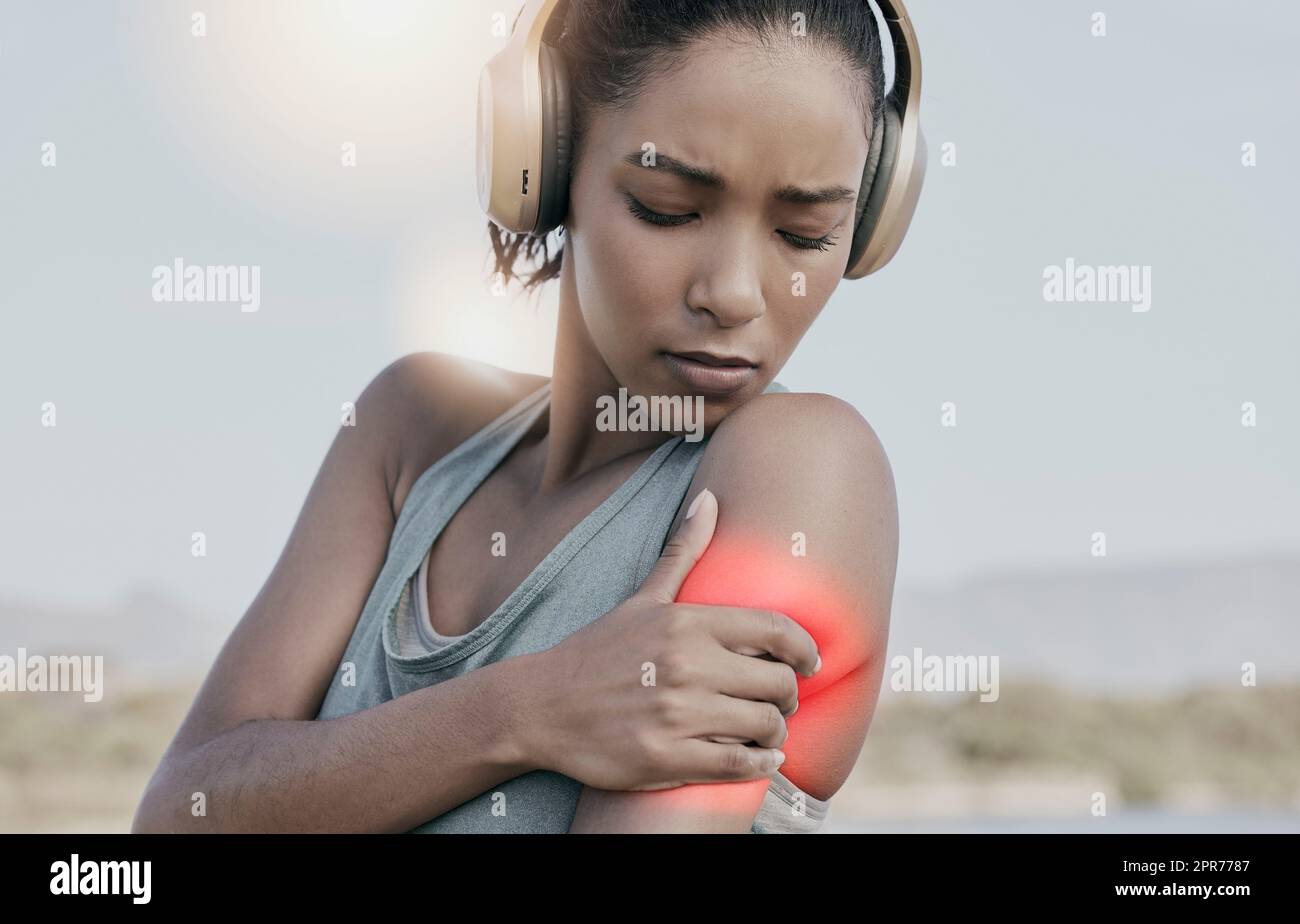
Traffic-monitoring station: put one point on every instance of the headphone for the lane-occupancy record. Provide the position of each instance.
(523, 141)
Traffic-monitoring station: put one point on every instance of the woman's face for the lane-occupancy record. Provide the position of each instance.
(755, 242)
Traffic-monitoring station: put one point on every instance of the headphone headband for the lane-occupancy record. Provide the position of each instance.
(523, 137)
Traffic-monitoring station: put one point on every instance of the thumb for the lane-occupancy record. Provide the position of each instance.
(683, 550)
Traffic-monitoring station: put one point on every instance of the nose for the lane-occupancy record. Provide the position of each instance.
(729, 285)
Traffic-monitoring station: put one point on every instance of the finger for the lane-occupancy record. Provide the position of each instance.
(753, 678)
(729, 718)
(683, 550)
(695, 760)
(755, 632)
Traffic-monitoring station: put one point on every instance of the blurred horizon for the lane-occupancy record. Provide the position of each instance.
(1099, 638)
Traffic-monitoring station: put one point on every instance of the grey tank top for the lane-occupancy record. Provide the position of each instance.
(599, 564)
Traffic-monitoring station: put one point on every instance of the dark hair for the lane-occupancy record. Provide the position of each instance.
(615, 48)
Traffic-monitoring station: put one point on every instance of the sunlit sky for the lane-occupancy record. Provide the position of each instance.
(225, 149)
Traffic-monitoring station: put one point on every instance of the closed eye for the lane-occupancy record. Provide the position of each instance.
(672, 221)
(654, 218)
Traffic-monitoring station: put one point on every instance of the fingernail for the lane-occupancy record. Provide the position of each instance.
(778, 758)
(695, 504)
(818, 665)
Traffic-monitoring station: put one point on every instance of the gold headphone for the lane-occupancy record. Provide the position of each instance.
(523, 141)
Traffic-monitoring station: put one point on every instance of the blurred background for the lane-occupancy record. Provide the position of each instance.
(128, 141)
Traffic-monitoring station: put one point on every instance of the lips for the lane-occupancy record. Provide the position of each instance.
(711, 373)
(713, 359)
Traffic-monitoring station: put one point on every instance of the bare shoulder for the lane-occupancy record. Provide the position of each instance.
(807, 526)
(815, 430)
(432, 402)
(783, 456)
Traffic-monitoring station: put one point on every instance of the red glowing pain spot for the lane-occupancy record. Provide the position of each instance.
(835, 704)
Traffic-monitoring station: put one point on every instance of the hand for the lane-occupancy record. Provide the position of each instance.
(656, 694)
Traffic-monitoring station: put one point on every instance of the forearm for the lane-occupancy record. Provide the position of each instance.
(384, 769)
(701, 808)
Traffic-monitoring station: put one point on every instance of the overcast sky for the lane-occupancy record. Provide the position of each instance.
(1072, 417)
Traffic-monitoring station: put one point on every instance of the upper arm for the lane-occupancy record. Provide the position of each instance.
(808, 526)
(280, 658)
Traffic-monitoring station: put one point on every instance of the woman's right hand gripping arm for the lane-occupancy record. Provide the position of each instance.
(657, 694)
(250, 755)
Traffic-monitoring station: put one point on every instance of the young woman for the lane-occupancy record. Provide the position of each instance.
(567, 627)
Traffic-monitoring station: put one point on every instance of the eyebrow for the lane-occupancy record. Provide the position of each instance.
(711, 180)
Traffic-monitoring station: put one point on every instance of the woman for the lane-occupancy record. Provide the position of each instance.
(550, 637)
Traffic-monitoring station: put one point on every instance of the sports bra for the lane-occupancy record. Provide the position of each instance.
(430, 639)
(394, 649)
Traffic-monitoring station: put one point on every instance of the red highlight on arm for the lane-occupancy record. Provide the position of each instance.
(737, 572)
(835, 704)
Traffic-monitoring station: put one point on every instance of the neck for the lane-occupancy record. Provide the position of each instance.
(573, 446)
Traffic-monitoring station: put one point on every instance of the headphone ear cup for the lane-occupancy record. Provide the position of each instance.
(556, 140)
(876, 175)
